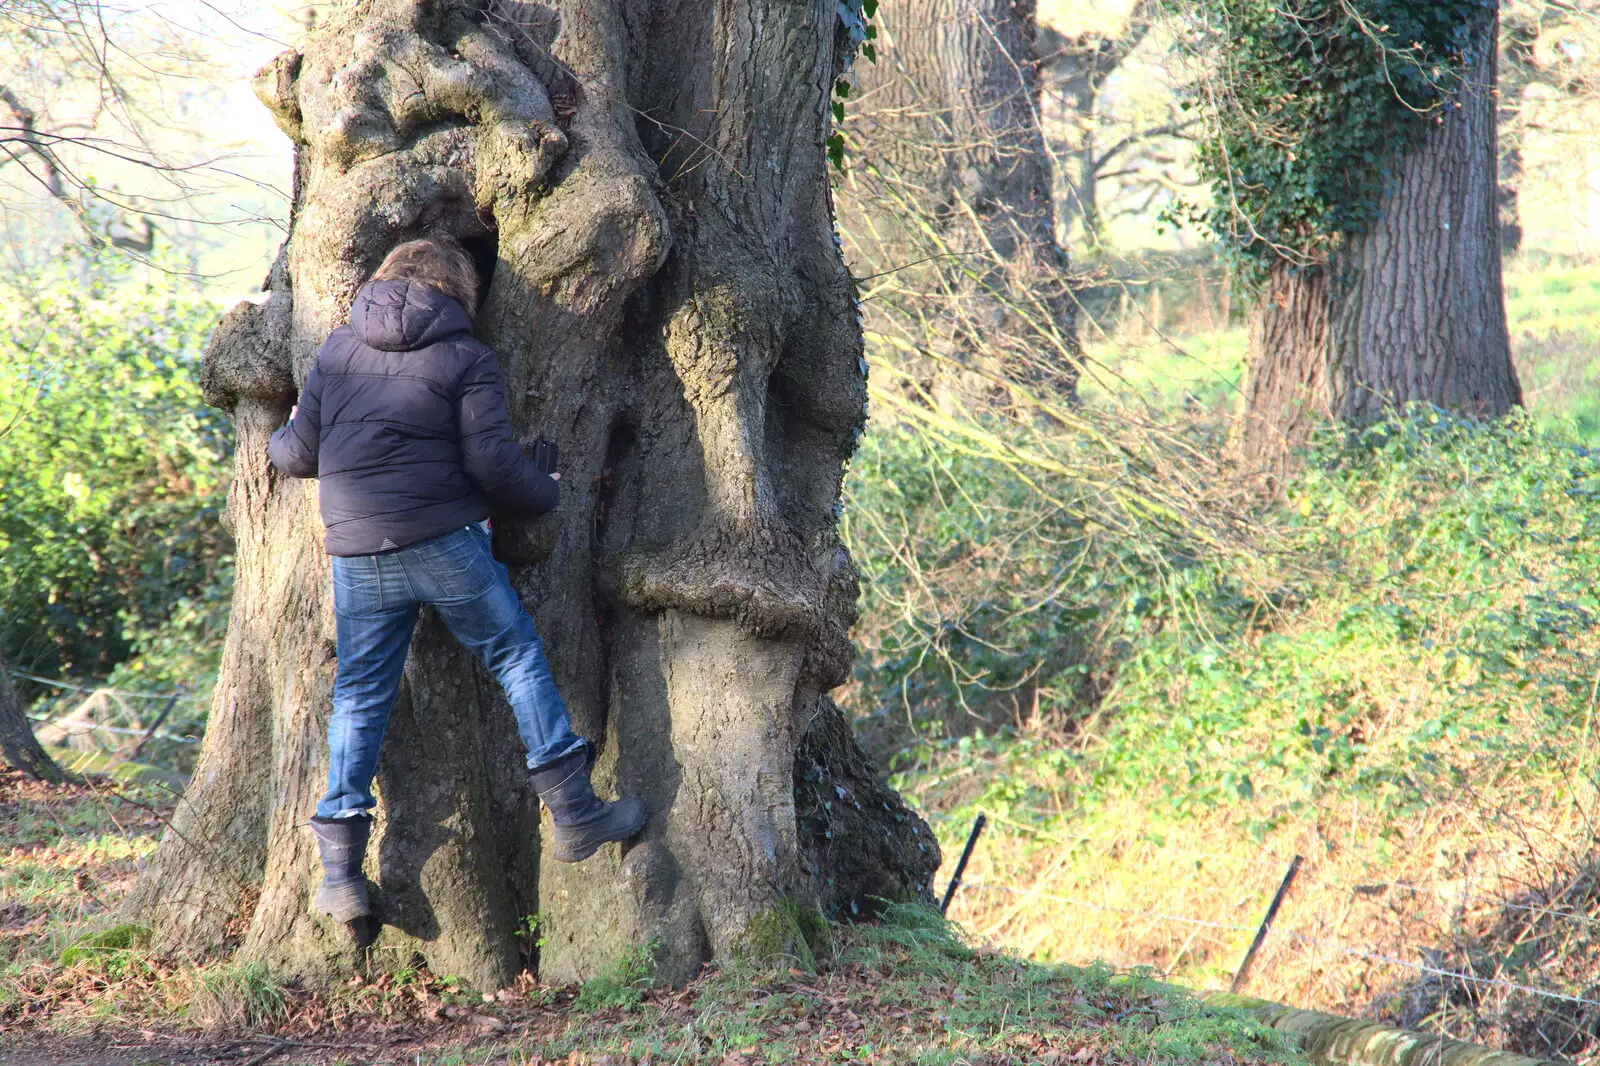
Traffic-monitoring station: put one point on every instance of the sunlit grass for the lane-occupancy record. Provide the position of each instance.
(1410, 704)
(1552, 309)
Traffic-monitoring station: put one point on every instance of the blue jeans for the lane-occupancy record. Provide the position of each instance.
(375, 601)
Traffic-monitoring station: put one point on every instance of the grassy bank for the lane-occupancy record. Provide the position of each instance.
(1394, 676)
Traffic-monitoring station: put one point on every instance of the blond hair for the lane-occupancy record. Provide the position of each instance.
(439, 262)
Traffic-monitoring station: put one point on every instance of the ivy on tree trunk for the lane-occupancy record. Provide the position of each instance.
(1412, 310)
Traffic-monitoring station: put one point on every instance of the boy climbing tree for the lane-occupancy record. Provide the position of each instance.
(403, 419)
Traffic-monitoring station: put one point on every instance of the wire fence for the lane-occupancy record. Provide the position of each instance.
(68, 718)
(1301, 938)
(1466, 985)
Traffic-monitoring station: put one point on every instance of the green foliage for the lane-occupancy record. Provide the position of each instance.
(1309, 102)
(856, 17)
(1456, 556)
(621, 984)
(1428, 613)
(113, 473)
(992, 588)
(529, 932)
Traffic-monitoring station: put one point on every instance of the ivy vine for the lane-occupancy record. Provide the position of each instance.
(857, 16)
(1310, 104)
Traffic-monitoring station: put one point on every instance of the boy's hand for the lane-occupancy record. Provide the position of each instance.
(555, 475)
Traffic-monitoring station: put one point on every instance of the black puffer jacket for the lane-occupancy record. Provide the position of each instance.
(404, 420)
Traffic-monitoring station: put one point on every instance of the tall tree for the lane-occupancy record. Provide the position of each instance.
(1366, 186)
(19, 747)
(951, 190)
(645, 182)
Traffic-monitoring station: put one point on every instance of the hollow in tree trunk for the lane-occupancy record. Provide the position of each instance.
(1411, 311)
(647, 183)
(949, 193)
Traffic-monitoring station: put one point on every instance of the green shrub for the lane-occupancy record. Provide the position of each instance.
(1446, 563)
(1427, 612)
(1007, 568)
(113, 472)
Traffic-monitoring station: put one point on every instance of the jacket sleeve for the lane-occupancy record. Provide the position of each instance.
(293, 448)
(489, 448)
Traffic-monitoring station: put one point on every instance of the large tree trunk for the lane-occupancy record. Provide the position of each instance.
(19, 747)
(647, 180)
(950, 190)
(1412, 311)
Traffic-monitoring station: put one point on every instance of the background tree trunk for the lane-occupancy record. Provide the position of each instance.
(1412, 311)
(950, 191)
(1075, 69)
(18, 745)
(646, 182)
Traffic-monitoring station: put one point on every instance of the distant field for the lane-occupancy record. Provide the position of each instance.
(1553, 309)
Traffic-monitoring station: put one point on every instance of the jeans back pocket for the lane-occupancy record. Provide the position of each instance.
(357, 585)
(458, 564)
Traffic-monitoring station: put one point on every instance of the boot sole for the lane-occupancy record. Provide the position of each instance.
(564, 853)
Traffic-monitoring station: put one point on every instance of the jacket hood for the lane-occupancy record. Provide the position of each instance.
(400, 315)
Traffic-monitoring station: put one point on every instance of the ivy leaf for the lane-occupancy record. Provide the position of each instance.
(836, 151)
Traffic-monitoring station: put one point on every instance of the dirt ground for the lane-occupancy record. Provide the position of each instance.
(157, 1049)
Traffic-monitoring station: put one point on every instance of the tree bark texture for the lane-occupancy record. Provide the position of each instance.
(647, 181)
(949, 194)
(1411, 311)
(18, 745)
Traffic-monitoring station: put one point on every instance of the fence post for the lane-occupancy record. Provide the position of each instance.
(961, 865)
(1266, 925)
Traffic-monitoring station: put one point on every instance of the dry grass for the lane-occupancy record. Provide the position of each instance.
(1371, 886)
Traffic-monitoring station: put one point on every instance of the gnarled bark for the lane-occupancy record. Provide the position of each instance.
(1411, 311)
(647, 180)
